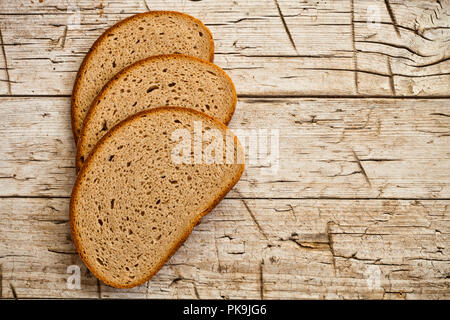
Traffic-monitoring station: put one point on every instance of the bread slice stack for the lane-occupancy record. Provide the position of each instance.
(154, 155)
(130, 40)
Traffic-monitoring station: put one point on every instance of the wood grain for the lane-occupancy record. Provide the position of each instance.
(338, 148)
(268, 47)
(369, 249)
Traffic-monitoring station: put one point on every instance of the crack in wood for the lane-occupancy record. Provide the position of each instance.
(398, 46)
(289, 209)
(439, 114)
(386, 54)
(261, 280)
(1, 281)
(363, 172)
(320, 246)
(61, 251)
(226, 237)
(62, 39)
(13, 291)
(8, 80)
(422, 76)
(146, 5)
(355, 54)
(176, 280)
(99, 289)
(254, 219)
(331, 244)
(392, 16)
(391, 76)
(379, 160)
(286, 28)
(429, 64)
(53, 221)
(197, 295)
(219, 264)
(15, 255)
(39, 58)
(246, 19)
(344, 174)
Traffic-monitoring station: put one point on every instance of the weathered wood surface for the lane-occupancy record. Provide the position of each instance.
(340, 148)
(359, 207)
(281, 47)
(252, 249)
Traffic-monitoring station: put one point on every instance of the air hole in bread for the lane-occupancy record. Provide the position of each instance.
(105, 126)
(152, 88)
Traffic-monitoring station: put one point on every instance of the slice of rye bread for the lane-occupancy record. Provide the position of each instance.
(132, 205)
(154, 82)
(132, 39)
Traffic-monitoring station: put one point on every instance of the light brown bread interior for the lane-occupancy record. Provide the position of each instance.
(132, 206)
(130, 40)
(153, 82)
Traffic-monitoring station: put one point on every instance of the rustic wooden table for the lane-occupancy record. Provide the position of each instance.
(359, 207)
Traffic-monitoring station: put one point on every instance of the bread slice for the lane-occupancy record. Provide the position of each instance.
(154, 82)
(132, 205)
(130, 40)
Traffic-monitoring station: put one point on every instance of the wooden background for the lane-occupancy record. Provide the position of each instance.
(360, 205)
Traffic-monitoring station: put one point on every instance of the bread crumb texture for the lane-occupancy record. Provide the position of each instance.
(166, 80)
(132, 207)
(135, 38)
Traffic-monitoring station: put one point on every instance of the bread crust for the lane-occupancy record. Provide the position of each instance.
(76, 86)
(195, 222)
(101, 94)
